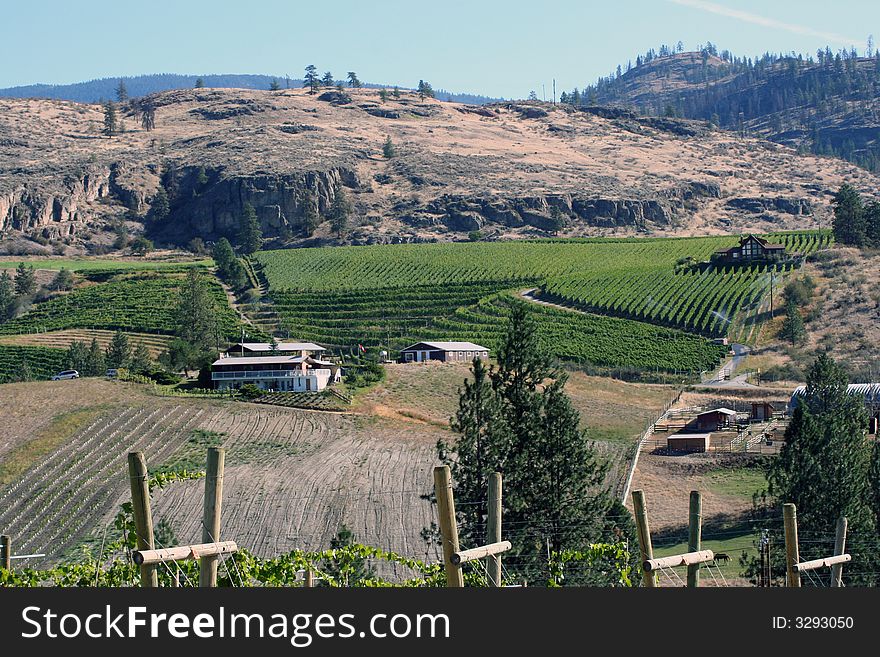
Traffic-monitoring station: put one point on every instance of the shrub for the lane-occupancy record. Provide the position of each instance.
(787, 372)
(251, 391)
(163, 377)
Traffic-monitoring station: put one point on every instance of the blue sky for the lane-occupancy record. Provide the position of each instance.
(480, 46)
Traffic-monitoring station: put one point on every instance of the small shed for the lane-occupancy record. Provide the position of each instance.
(443, 351)
(717, 418)
(688, 442)
(762, 411)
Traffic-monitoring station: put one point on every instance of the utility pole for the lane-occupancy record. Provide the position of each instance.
(554, 91)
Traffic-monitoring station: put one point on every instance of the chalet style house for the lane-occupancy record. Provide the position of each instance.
(443, 351)
(751, 249)
(283, 367)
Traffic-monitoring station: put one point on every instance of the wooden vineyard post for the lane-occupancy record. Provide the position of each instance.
(5, 552)
(211, 517)
(448, 526)
(839, 548)
(645, 547)
(695, 522)
(309, 581)
(792, 555)
(493, 527)
(143, 517)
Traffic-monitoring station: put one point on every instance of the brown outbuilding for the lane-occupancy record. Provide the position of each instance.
(688, 442)
(715, 420)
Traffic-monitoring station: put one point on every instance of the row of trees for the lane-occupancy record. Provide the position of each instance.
(789, 91)
(313, 81)
(856, 221)
(91, 360)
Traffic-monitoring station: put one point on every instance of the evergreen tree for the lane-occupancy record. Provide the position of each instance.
(872, 223)
(111, 124)
(118, 351)
(388, 149)
(196, 321)
(557, 220)
(396, 91)
(197, 245)
(480, 448)
(7, 297)
(200, 84)
(310, 217)
(849, 216)
(140, 361)
(515, 418)
(228, 266)
(121, 91)
(250, 237)
(77, 357)
(353, 81)
(141, 245)
(339, 211)
(223, 255)
(95, 362)
(122, 237)
(274, 85)
(147, 109)
(327, 80)
(824, 464)
(160, 208)
(383, 95)
(793, 326)
(63, 280)
(25, 280)
(874, 482)
(425, 90)
(345, 569)
(311, 79)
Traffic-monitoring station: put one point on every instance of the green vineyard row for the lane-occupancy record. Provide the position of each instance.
(142, 303)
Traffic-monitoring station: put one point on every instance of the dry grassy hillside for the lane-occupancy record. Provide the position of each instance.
(842, 318)
(293, 477)
(505, 169)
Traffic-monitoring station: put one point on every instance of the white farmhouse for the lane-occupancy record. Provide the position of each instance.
(284, 367)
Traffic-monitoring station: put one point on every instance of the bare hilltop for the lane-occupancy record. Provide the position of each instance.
(507, 170)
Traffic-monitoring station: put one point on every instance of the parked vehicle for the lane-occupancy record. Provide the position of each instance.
(111, 373)
(66, 374)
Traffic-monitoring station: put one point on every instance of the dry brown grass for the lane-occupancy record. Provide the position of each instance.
(29, 408)
(452, 151)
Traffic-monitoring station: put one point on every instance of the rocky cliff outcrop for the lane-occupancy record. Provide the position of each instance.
(509, 170)
(213, 209)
